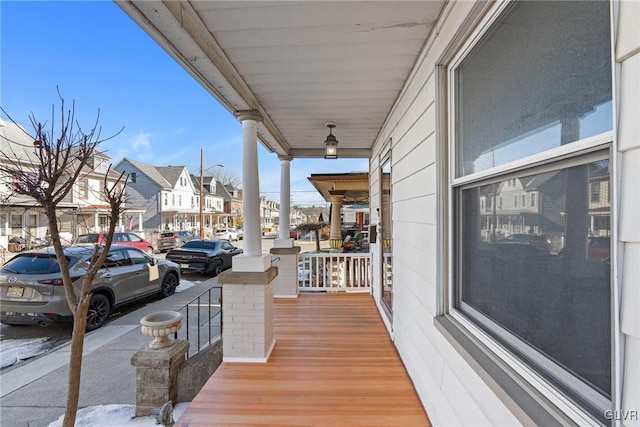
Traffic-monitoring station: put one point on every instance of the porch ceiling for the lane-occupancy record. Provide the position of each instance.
(300, 64)
(353, 187)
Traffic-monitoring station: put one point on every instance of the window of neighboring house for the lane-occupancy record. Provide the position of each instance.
(166, 199)
(83, 189)
(533, 104)
(179, 200)
(173, 200)
(16, 225)
(3, 221)
(595, 191)
(98, 190)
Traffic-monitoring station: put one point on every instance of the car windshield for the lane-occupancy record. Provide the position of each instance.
(34, 264)
(87, 238)
(202, 244)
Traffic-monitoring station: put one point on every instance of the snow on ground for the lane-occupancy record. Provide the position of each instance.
(115, 416)
(186, 284)
(15, 350)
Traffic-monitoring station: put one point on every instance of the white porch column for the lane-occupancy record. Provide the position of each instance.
(96, 223)
(335, 238)
(283, 240)
(140, 228)
(252, 260)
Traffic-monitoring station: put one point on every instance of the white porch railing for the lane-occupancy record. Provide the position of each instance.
(334, 271)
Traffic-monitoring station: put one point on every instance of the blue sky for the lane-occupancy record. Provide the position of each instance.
(99, 58)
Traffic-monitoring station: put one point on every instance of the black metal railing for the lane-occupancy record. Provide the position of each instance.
(202, 320)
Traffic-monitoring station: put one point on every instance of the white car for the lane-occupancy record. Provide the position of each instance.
(226, 234)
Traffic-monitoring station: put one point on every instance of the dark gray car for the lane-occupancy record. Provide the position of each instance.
(174, 239)
(31, 289)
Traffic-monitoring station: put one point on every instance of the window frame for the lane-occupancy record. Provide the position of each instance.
(577, 152)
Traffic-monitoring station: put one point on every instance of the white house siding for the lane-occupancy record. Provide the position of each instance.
(451, 391)
(627, 48)
(143, 195)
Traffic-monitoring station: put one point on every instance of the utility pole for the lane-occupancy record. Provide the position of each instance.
(201, 193)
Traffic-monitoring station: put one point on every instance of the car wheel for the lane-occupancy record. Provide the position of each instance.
(149, 251)
(217, 268)
(98, 313)
(169, 285)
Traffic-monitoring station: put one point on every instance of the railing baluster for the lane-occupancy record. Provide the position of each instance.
(199, 319)
(324, 271)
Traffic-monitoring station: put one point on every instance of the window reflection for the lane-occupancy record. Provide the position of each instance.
(386, 229)
(535, 259)
(528, 88)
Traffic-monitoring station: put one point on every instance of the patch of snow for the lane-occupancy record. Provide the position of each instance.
(13, 351)
(186, 284)
(115, 416)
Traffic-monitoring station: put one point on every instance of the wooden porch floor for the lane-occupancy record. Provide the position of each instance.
(333, 365)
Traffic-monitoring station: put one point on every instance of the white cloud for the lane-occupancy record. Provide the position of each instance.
(141, 142)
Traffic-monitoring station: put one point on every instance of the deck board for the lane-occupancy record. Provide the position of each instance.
(333, 365)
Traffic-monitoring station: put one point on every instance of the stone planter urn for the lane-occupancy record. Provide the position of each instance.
(160, 326)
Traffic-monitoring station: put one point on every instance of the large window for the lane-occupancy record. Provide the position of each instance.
(532, 106)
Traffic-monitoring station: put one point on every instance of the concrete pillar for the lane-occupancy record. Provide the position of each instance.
(247, 307)
(286, 284)
(335, 238)
(283, 240)
(252, 258)
(156, 376)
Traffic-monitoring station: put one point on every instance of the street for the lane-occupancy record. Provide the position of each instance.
(30, 340)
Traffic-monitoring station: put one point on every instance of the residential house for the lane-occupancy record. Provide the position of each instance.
(213, 205)
(315, 213)
(452, 101)
(83, 210)
(166, 195)
(297, 216)
(269, 214)
(233, 204)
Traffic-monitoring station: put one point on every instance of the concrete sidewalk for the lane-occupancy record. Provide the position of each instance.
(34, 393)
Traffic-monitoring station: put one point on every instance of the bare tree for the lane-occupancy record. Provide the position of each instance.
(316, 227)
(47, 173)
(227, 177)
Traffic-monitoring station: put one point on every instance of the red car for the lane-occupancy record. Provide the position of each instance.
(128, 239)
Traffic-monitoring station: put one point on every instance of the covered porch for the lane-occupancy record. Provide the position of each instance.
(333, 365)
(291, 73)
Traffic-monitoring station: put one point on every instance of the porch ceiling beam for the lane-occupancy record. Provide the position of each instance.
(363, 153)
